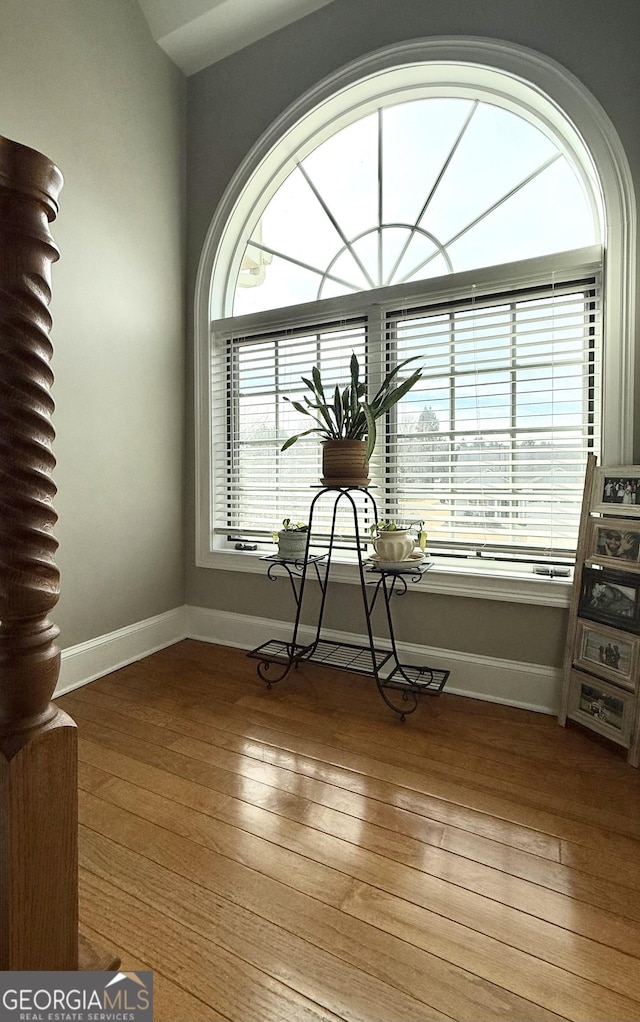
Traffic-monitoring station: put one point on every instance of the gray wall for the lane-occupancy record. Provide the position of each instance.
(83, 82)
(232, 103)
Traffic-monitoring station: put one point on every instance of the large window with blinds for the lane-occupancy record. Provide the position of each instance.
(488, 450)
(457, 226)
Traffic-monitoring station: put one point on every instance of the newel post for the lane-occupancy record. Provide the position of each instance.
(38, 749)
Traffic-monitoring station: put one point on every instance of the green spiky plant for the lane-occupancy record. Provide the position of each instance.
(348, 415)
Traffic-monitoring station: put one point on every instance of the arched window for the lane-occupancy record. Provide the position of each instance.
(444, 211)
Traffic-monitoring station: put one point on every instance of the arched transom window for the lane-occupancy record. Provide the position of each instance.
(409, 191)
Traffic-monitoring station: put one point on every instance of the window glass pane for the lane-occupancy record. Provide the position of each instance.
(551, 329)
(484, 338)
(403, 248)
(287, 284)
(357, 263)
(419, 135)
(550, 214)
(421, 258)
(497, 153)
(294, 223)
(482, 401)
(344, 170)
(549, 395)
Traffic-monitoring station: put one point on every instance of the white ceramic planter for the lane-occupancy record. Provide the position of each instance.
(394, 546)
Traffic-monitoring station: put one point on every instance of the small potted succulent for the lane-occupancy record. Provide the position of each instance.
(346, 421)
(291, 540)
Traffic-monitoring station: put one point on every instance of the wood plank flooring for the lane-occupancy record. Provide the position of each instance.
(300, 855)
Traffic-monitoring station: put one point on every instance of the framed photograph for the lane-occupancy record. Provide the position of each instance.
(611, 598)
(617, 491)
(615, 543)
(608, 653)
(601, 707)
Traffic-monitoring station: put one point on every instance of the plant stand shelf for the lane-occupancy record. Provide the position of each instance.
(345, 656)
(276, 658)
(421, 680)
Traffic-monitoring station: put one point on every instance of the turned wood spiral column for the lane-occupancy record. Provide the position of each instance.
(38, 755)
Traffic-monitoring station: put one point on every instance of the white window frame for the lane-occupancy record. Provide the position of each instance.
(519, 79)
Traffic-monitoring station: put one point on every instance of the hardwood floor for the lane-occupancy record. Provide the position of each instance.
(299, 855)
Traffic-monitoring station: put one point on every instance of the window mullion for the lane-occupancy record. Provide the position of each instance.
(452, 444)
(232, 418)
(513, 454)
(379, 465)
(380, 196)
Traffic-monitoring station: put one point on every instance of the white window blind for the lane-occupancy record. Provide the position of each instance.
(488, 449)
(262, 485)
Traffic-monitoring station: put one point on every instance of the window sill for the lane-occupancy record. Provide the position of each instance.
(476, 581)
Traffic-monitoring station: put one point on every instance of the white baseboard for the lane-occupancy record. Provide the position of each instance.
(529, 686)
(96, 657)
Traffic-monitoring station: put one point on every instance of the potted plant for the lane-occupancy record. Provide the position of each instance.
(291, 540)
(392, 542)
(421, 534)
(422, 537)
(347, 421)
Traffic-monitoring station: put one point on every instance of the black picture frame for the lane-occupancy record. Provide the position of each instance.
(611, 597)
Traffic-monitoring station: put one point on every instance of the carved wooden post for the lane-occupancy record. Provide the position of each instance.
(38, 756)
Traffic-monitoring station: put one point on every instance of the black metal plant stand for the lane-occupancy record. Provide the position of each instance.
(393, 679)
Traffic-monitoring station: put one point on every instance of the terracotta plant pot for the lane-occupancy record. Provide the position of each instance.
(345, 463)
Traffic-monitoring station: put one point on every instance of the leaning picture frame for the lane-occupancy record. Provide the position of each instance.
(614, 543)
(601, 707)
(611, 598)
(607, 652)
(616, 491)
